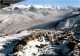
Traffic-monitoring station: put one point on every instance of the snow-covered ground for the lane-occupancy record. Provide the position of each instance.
(50, 43)
(19, 17)
(7, 42)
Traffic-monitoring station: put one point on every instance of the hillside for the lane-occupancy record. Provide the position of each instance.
(36, 30)
(21, 17)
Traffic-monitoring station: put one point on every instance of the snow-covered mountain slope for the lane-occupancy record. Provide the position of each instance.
(70, 23)
(40, 7)
(43, 36)
(13, 18)
(28, 6)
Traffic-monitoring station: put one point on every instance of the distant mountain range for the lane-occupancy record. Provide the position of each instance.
(41, 6)
(19, 17)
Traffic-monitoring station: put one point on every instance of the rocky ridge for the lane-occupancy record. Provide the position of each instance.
(49, 42)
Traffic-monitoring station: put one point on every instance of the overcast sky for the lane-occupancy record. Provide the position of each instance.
(75, 3)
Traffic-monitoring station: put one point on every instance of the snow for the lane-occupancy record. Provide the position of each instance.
(9, 23)
(64, 47)
(14, 36)
(6, 41)
(2, 54)
(70, 23)
(28, 6)
(30, 48)
(40, 6)
(78, 37)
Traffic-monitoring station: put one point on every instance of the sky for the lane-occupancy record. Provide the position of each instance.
(74, 3)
